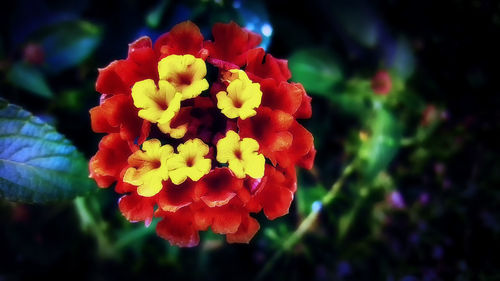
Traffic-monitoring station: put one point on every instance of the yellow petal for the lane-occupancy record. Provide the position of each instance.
(186, 73)
(241, 97)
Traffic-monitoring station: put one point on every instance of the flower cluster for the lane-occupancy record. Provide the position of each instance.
(201, 133)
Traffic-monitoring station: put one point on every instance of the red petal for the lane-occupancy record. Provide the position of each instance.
(301, 145)
(114, 78)
(184, 38)
(246, 194)
(285, 96)
(123, 187)
(178, 228)
(252, 205)
(269, 67)
(203, 102)
(182, 117)
(137, 208)
(275, 197)
(117, 114)
(120, 75)
(222, 220)
(110, 159)
(248, 228)
(305, 110)
(290, 177)
(307, 161)
(141, 52)
(270, 129)
(231, 43)
(217, 187)
(221, 64)
(173, 197)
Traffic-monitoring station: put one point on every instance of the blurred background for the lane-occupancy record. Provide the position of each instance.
(405, 95)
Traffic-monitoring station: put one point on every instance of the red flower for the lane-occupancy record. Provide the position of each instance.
(192, 152)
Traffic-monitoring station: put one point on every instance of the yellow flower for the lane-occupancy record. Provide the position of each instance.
(242, 155)
(149, 167)
(241, 98)
(189, 162)
(157, 105)
(186, 73)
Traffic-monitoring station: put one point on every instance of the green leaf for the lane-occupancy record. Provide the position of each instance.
(378, 150)
(67, 44)
(316, 69)
(30, 79)
(37, 164)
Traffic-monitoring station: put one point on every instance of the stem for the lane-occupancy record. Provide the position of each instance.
(308, 222)
(90, 223)
(134, 235)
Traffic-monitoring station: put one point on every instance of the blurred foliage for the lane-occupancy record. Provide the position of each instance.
(316, 69)
(419, 201)
(67, 44)
(30, 79)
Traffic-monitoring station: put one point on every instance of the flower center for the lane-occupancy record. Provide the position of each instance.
(184, 79)
(237, 154)
(190, 162)
(237, 103)
(156, 164)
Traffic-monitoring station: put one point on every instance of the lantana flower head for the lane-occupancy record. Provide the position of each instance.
(201, 133)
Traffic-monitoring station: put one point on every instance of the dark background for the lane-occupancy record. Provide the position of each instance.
(428, 212)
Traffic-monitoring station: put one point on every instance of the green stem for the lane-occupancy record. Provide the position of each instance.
(134, 235)
(307, 223)
(91, 224)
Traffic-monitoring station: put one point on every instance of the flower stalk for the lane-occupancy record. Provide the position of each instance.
(309, 221)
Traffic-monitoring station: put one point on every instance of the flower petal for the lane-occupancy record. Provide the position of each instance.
(302, 144)
(110, 159)
(117, 114)
(269, 67)
(119, 76)
(173, 197)
(137, 208)
(284, 96)
(270, 129)
(178, 228)
(184, 38)
(247, 230)
(224, 219)
(274, 196)
(231, 43)
(217, 187)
